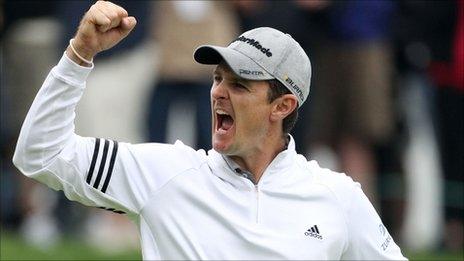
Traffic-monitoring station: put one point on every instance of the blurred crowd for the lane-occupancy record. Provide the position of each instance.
(385, 106)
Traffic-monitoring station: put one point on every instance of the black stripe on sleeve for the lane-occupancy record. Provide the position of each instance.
(110, 168)
(113, 210)
(102, 164)
(94, 160)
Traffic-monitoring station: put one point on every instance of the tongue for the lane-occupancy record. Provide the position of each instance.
(226, 122)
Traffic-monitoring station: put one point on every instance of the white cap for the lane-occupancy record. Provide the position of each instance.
(263, 54)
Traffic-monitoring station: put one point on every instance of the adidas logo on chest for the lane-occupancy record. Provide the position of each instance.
(313, 232)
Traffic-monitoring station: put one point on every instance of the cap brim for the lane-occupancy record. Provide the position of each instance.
(241, 64)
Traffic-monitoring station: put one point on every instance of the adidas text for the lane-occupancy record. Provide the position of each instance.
(312, 234)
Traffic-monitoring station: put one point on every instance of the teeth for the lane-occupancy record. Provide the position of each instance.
(221, 112)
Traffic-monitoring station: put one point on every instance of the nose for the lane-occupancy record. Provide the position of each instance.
(219, 91)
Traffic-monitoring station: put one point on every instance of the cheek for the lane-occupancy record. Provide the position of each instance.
(252, 114)
(253, 120)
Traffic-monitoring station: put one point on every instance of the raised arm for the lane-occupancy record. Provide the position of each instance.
(89, 170)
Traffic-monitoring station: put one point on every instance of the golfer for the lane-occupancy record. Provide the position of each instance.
(250, 197)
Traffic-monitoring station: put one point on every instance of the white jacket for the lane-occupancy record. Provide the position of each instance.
(191, 204)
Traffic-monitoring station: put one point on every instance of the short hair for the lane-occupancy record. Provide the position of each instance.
(276, 90)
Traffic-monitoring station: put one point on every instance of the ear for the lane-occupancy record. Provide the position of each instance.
(283, 106)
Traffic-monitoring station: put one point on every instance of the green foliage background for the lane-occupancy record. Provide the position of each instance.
(14, 248)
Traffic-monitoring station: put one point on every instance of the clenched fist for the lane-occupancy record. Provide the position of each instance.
(102, 27)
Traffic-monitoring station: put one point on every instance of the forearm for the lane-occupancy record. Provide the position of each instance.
(49, 123)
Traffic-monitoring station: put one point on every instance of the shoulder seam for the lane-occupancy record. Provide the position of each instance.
(338, 200)
(154, 192)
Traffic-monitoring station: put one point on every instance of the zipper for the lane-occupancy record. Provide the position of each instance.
(256, 189)
(257, 203)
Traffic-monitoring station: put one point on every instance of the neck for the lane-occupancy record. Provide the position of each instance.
(259, 159)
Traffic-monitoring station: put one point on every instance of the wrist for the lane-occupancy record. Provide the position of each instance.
(74, 58)
(77, 53)
(82, 48)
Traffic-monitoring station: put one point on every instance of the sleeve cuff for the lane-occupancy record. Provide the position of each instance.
(71, 71)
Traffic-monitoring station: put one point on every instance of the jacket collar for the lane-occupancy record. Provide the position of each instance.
(226, 169)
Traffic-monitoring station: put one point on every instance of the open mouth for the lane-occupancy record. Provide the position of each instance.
(224, 121)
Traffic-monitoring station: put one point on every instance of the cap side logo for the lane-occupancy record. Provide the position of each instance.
(255, 44)
(294, 87)
(248, 72)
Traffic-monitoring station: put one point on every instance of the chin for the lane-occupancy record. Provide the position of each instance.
(221, 147)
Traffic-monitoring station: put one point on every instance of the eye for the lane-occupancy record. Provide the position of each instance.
(217, 78)
(239, 85)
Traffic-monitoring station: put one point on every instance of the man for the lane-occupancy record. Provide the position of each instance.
(250, 197)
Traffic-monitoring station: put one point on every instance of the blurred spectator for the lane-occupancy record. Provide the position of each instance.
(446, 71)
(180, 27)
(351, 109)
(451, 126)
(431, 47)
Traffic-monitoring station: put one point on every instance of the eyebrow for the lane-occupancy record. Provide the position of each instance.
(216, 70)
